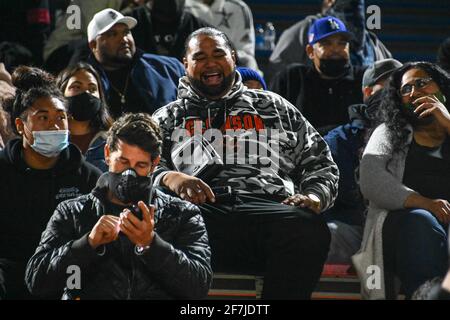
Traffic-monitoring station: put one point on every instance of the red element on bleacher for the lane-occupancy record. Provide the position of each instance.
(38, 16)
(338, 270)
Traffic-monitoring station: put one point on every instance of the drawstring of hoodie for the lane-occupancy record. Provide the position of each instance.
(224, 113)
(209, 117)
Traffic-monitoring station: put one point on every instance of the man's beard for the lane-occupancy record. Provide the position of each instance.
(213, 91)
(116, 60)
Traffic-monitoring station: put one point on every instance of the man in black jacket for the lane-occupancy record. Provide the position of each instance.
(164, 254)
(163, 27)
(323, 91)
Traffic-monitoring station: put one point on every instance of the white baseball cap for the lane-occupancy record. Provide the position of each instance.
(104, 20)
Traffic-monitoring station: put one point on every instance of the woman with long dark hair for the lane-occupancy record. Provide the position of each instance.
(405, 174)
(89, 118)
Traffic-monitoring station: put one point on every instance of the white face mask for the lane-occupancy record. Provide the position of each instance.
(50, 143)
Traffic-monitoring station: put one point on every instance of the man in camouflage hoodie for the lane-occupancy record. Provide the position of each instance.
(280, 172)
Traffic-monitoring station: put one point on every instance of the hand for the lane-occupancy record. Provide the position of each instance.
(140, 232)
(430, 105)
(6, 88)
(310, 201)
(106, 230)
(4, 74)
(440, 209)
(188, 188)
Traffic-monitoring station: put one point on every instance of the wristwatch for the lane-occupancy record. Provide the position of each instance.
(140, 250)
(316, 201)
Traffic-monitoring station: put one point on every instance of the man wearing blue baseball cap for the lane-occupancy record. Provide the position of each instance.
(328, 47)
(365, 47)
(323, 91)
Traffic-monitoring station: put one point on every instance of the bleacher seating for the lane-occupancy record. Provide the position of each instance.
(412, 30)
(336, 282)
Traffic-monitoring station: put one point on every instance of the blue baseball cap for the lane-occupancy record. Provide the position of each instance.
(325, 27)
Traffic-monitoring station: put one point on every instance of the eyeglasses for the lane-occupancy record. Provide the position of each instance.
(421, 83)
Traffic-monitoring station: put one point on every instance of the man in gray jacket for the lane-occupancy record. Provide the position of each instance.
(235, 19)
(262, 205)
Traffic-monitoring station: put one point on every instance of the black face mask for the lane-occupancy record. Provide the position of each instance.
(413, 118)
(167, 10)
(334, 67)
(129, 187)
(84, 107)
(373, 104)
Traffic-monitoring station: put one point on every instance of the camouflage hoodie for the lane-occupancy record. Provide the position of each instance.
(289, 157)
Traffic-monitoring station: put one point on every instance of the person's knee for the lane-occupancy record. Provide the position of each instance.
(422, 240)
(422, 224)
(322, 231)
(313, 232)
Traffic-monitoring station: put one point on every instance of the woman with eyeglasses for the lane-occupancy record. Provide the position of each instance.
(88, 114)
(405, 175)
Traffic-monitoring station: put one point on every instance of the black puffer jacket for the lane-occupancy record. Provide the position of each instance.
(177, 266)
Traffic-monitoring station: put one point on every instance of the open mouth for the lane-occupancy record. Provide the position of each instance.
(212, 78)
(125, 49)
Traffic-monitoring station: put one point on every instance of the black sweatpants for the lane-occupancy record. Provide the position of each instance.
(286, 244)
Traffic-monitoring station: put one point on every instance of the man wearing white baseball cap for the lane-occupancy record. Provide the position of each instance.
(134, 81)
(104, 20)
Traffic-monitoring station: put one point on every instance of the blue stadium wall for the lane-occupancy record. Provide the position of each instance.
(411, 29)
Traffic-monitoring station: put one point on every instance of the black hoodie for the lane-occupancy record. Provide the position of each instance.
(165, 28)
(29, 196)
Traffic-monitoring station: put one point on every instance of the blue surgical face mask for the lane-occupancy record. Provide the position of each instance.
(50, 143)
